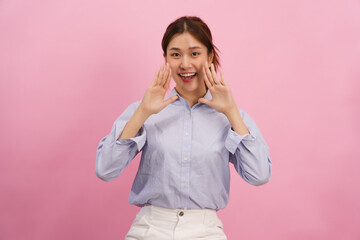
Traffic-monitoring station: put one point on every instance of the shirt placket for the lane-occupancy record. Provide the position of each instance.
(186, 157)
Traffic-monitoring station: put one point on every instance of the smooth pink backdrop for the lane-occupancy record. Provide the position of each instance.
(69, 68)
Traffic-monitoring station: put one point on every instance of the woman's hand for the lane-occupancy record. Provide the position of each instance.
(153, 100)
(222, 100)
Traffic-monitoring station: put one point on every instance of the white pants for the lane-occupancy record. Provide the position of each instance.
(158, 223)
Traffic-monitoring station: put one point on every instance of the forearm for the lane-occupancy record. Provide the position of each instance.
(134, 124)
(236, 121)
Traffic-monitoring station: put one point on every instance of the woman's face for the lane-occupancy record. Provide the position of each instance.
(186, 57)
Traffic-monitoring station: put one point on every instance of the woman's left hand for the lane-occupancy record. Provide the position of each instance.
(222, 100)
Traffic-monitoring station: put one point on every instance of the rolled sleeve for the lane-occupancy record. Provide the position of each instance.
(233, 139)
(139, 139)
(249, 153)
(114, 154)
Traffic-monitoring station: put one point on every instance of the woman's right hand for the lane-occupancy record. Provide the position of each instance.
(153, 100)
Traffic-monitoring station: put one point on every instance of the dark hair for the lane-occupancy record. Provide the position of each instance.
(197, 28)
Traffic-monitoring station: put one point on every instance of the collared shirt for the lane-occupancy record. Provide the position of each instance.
(185, 156)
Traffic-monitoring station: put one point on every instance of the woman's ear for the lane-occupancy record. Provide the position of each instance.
(211, 57)
(164, 57)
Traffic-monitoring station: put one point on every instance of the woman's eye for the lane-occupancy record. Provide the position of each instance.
(194, 54)
(175, 54)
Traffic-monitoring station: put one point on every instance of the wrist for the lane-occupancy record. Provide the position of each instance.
(231, 111)
(236, 121)
(142, 112)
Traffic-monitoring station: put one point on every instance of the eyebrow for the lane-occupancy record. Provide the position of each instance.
(178, 49)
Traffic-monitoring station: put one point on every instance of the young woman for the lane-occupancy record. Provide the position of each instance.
(187, 140)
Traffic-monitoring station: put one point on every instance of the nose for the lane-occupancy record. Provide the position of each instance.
(185, 62)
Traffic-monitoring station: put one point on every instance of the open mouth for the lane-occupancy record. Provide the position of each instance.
(187, 76)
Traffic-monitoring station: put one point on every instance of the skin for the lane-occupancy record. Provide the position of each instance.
(185, 54)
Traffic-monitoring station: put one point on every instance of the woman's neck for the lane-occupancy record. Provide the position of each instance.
(192, 97)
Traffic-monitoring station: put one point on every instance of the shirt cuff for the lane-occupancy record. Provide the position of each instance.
(139, 139)
(233, 139)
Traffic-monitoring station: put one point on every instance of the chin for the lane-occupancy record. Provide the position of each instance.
(191, 87)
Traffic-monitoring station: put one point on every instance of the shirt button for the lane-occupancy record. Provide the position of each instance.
(184, 184)
(186, 133)
(187, 111)
(181, 213)
(185, 158)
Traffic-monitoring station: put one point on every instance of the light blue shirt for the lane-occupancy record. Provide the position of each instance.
(185, 156)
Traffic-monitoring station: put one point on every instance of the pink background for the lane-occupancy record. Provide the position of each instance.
(69, 68)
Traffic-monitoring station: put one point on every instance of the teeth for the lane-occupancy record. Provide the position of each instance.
(187, 74)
